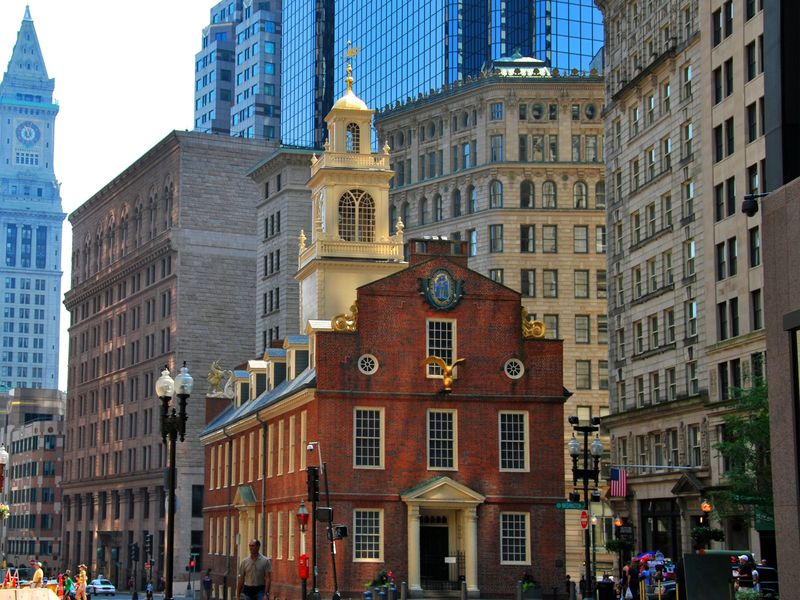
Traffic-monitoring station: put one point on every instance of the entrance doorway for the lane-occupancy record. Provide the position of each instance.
(434, 546)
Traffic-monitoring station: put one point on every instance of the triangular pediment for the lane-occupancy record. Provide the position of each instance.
(688, 485)
(441, 491)
(245, 497)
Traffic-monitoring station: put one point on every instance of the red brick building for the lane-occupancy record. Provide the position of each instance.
(435, 485)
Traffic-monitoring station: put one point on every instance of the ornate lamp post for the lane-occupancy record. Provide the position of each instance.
(173, 425)
(590, 471)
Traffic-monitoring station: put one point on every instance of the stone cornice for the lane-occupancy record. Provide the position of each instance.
(112, 274)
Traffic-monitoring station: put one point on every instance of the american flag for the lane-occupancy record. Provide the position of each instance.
(619, 482)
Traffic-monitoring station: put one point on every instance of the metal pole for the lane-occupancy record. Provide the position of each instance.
(330, 530)
(170, 518)
(587, 552)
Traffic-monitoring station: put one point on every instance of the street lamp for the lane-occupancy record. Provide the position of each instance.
(590, 471)
(173, 425)
(706, 507)
(302, 520)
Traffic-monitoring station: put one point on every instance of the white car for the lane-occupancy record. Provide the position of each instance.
(101, 586)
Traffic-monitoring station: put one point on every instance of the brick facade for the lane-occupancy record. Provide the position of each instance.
(262, 443)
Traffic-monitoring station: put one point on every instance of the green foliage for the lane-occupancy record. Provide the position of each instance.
(746, 448)
(748, 594)
(528, 582)
(702, 536)
(619, 546)
(382, 579)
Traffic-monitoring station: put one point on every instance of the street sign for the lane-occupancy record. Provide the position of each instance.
(569, 505)
(584, 519)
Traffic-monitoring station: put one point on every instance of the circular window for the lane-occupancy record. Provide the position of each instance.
(514, 368)
(401, 139)
(537, 111)
(591, 111)
(367, 364)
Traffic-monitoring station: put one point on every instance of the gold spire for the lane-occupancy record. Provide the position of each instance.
(349, 53)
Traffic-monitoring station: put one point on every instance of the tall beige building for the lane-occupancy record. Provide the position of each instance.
(684, 131)
(512, 163)
(163, 271)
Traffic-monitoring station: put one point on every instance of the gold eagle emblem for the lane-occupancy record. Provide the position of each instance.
(447, 370)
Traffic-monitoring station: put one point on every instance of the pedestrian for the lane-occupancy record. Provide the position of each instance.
(572, 594)
(633, 580)
(38, 576)
(255, 574)
(207, 581)
(149, 590)
(131, 583)
(80, 587)
(69, 585)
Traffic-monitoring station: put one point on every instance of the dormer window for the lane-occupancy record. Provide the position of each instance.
(353, 137)
(356, 216)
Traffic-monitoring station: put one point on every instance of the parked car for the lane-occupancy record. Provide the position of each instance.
(101, 586)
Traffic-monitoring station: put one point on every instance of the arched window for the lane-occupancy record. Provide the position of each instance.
(123, 232)
(366, 218)
(495, 194)
(347, 217)
(353, 137)
(112, 241)
(423, 210)
(549, 199)
(405, 213)
(472, 199)
(526, 194)
(456, 202)
(600, 194)
(438, 209)
(392, 219)
(356, 216)
(168, 193)
(580, 195)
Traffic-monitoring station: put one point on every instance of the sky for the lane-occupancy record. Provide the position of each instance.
(124, 78)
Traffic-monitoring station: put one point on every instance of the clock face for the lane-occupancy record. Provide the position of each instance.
(28, 133)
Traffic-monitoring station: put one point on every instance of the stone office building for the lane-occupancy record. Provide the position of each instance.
(163, 271)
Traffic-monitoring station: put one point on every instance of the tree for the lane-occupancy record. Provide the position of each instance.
(746, 449)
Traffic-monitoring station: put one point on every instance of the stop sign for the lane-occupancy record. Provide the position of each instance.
(584, 519)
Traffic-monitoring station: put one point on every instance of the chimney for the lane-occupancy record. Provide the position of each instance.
(422, 249)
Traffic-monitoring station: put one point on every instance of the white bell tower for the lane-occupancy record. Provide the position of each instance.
(350, 243)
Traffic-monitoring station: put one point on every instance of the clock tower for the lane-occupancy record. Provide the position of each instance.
(31, 219)
(350, 244)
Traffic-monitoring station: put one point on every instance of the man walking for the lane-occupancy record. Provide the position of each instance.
(255, 575)
(207, 581)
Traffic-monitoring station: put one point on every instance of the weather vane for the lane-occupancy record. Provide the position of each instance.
(350, 53)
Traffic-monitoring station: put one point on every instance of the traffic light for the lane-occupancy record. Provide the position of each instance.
(191, 564)
(148, 544)
(135, 552)
(313, 484)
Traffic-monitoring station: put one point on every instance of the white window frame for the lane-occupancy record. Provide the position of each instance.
(382, 424)
(433, 371)
(525, 443)
(527, 522)
(454, 442)
(357, 533)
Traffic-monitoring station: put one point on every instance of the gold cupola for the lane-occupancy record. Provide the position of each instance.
(350, 243)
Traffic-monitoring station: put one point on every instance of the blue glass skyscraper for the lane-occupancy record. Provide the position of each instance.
(408, 48)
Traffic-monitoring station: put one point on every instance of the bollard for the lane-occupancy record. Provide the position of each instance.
(403, 590)
(390, 593)
(518, 591)
(463, 590)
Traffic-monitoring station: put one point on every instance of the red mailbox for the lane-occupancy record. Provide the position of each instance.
(303, 566)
